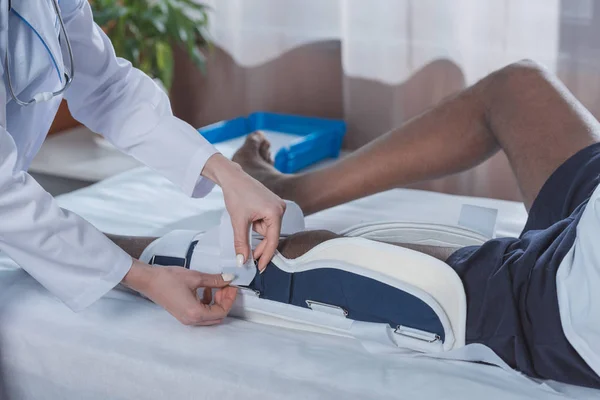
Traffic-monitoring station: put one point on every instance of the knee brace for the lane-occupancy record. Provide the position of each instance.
(378, 293)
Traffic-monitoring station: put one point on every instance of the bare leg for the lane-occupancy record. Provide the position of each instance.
(132, 245)
(298, 244)
(521, 109)
(292, 247)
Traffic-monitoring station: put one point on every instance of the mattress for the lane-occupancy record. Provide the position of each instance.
(124, 347)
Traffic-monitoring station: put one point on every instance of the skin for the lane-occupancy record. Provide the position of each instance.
(249, 203)
(291, 247)
(298, 244)
(521, 109)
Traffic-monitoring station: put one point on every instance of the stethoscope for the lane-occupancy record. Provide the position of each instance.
(44, 96)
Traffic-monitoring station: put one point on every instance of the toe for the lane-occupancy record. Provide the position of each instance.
(264, 151)
(250, 150)
(254, 140)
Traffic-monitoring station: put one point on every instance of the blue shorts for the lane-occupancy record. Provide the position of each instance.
(512, 304)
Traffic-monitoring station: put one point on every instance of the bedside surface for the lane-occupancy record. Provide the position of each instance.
(77, 157)
(76, 154)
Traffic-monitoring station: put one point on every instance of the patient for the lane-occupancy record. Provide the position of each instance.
(513, 304)
(551, 140)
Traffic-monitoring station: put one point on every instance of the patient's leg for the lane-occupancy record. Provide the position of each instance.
(132, 245)
(521, 109)
(291, 247)
(300, 243)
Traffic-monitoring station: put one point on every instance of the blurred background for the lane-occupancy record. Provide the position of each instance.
(375, 63)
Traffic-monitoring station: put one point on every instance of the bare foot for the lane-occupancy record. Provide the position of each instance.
(255, 159)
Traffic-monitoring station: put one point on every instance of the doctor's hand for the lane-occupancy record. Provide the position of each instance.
(175, 289)
(248, 203)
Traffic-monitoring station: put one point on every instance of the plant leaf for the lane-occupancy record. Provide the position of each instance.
(199, 59)
(144, 31)
(164, 62)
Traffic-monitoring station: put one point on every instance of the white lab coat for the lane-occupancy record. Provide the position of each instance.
(62, 251)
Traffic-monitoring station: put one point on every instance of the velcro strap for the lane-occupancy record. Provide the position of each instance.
(480, 219)
(168, 261)
(175, 261)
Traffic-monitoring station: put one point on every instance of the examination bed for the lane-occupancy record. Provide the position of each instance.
(125, 347)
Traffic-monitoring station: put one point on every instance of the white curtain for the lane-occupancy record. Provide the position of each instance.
(388, 40)
(394, 59)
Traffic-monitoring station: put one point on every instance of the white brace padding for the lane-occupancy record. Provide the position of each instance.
(429, 279)
(426, 277)
(417, 233)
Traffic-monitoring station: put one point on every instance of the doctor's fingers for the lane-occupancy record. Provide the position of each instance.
(241, 239)
(206, 297)
(270, 228)
(201, 280)
(211, 314)
(260, 249)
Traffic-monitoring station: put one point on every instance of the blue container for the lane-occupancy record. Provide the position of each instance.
(322, 137)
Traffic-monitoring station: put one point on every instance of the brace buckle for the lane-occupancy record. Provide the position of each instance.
(326, 308)
(417, 334)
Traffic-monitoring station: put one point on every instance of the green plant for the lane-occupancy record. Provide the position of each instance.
(145, 31)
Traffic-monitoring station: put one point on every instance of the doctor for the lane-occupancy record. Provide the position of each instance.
(53, 50)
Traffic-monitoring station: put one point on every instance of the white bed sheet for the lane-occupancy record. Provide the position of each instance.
(124, 347)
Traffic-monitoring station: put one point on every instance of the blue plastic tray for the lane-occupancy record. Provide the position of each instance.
(322, 137)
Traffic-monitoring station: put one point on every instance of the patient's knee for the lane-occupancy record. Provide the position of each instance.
(524, 66)
(525, 71)
(509, 84)
(520, 76)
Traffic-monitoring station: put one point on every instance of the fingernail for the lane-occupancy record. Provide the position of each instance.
(239, 260)
(260, 271)
(227, 277)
